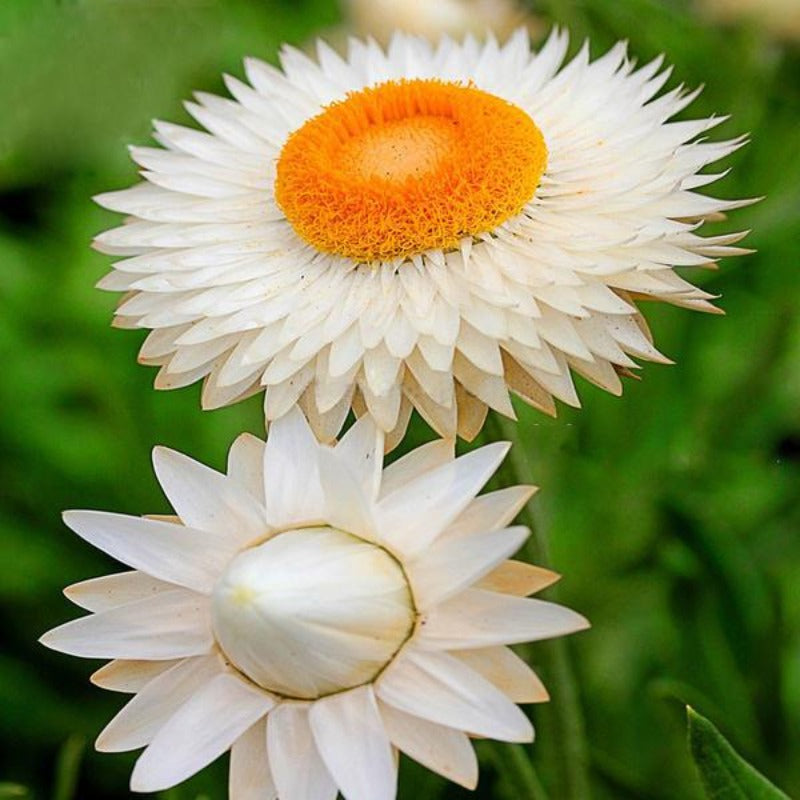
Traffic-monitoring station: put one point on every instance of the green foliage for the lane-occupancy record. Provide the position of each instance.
(672, 512)
(724, 773)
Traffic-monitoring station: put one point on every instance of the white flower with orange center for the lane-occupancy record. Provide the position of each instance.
(419, 228)
(315, 613)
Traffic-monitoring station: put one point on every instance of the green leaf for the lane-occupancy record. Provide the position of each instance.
(724, 773)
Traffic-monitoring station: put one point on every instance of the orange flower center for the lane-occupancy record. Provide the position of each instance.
(408, 166)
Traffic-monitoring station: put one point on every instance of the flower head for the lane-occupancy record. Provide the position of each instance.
(315, 613)
(426, 227)
(381, 18)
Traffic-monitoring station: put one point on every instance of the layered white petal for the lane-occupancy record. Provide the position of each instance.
(129, 676)
(297, 768)
(141, 719)
(110, 591)
(441, 749)
(207, 500)
(171, 625)
(411, 517)
(477, 618)
(352, 740)
(442, 689)
(246, 465)
(507, 671)
(250, 776)
(291, 474)
(170, 552)
(200, 731)
(451, 565)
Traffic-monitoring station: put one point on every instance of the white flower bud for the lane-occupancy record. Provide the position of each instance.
(312, 612)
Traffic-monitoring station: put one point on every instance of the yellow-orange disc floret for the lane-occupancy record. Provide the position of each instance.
(408, 166)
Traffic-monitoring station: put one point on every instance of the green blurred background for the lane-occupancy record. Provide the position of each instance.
(672, 512)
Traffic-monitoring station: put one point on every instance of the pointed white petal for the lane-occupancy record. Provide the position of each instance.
(250, 777)
(507, 671)
(129, 676)
(200, 731)
(173, 553)
(490, 511)
(413, 516)
(346, 504)
(362, 449)
(297, 768)
(416, 463)
(141, 719)
(451, 565)
(246, 464)
(170, 625)
(208, 500)
(441, 749)
(352, 741)
(519, 578)
(440, 688)
(291, 473)
(477, 618)
(109, 591)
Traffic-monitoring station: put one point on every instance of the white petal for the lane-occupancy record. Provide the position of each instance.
(519, 578)
(170, 552)
(416, 463)
(141, 719)
(440, 688)
(477, 618)
(200, 731)
(490, 511)
(246, 464)
(297, 768)
(362, 449)
(346, 505)
(208, 500)
(352, 741)
(411, 517)
(441, 749)
(170, 625)
(109, 591)
(507, 671)
(250, 777)
(451, 565)
(128, 676)
(291, 473)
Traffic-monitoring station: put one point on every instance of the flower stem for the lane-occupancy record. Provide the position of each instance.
(567, 734)
(517, 770)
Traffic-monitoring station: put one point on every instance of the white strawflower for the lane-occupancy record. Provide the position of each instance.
(315, 614)
(426, 227)
(382, 18)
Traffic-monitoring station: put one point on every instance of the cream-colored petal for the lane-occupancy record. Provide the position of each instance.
(518, 578)
(444, 750)
(502, 667)
(129, 676)
(246, 464)
(451, 565)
